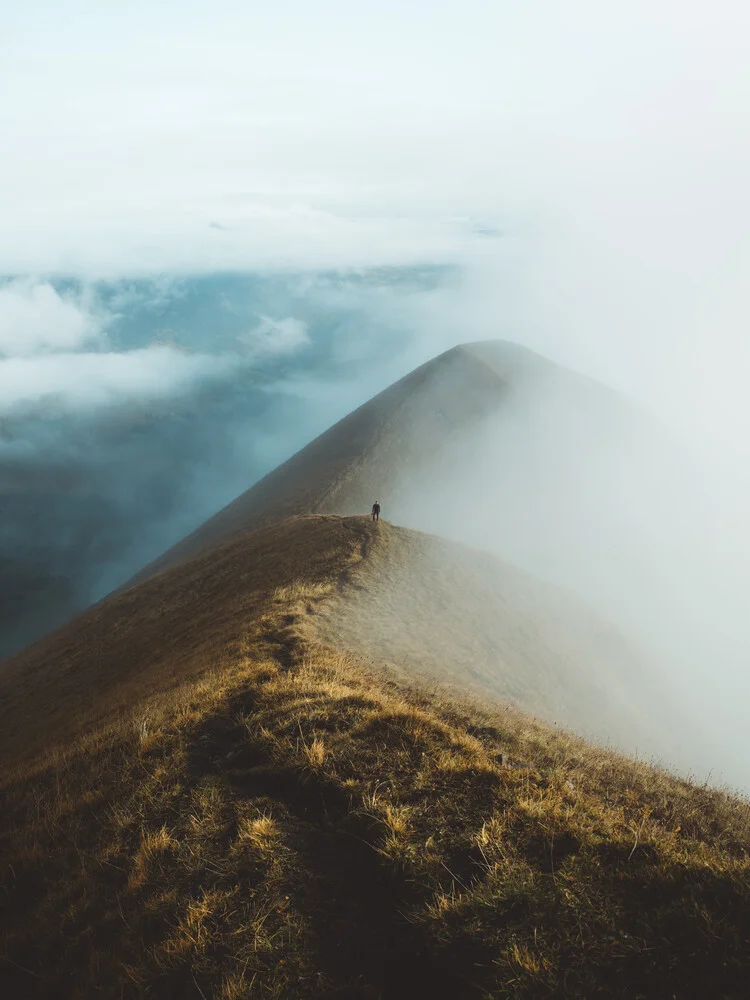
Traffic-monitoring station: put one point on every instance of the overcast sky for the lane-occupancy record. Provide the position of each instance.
(593, 154)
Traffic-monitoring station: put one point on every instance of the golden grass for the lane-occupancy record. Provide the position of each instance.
(186, 623)
(295, 825)
(302, 590)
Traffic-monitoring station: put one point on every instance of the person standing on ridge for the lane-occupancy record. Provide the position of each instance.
(376, 511)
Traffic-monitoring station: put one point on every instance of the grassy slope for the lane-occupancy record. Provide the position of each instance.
(440, 611)
(284, 822)
(158, 635)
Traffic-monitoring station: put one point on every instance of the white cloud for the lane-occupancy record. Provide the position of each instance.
(91, 380)
(46, 356)
(36, 319)
(349, 137)
(276, 337)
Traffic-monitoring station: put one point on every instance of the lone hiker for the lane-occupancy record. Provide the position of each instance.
(376, 511)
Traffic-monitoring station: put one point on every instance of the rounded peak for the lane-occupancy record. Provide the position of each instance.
(506, 355)
(508, 361)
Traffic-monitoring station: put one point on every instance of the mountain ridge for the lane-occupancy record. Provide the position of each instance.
(541, 647)
(390, 439)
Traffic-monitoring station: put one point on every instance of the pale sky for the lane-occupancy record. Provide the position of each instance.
(607, 145)
(127, 129)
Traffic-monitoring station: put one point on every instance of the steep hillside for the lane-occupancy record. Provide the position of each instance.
(160, 634)
(46, 539)
(229, 808)
(427, 607)
(492, 445)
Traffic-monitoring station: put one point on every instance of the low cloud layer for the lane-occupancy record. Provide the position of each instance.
(274, 337)
(36, 319)
(46, 361)
(86, 380)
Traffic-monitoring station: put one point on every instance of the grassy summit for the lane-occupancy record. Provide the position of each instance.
(223, 806)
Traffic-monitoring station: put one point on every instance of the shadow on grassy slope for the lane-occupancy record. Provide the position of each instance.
(298, 827)
(294, 824)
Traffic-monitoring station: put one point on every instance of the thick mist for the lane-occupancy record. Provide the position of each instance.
(581, 488)
(475, 625)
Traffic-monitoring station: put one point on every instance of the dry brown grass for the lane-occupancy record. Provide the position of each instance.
(443, 613)
(293, 825)
(154, 637)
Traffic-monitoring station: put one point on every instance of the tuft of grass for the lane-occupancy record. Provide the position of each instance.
(302, 590)
(398, 845)
(262, 832)
(315, 753)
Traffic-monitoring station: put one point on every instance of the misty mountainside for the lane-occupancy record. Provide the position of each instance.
(458, 615)
(488, 444)
(494, 446)
(437, 612)
(393, 447)
(491, 445)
